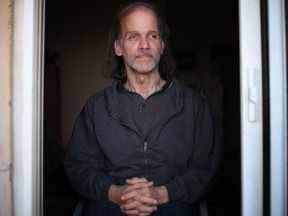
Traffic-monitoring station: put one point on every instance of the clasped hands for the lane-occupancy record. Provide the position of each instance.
(138, 197)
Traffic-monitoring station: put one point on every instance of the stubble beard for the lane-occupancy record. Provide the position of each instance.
(146, 65)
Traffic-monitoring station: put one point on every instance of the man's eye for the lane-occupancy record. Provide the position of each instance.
(153, 36)
(133, 37)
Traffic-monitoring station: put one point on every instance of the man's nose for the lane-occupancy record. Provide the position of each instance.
(144, 44)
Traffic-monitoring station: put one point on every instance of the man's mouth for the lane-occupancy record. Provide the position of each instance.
(144, 56)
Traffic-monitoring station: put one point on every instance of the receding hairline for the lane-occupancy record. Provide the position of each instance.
(134, 7)
(142, 6)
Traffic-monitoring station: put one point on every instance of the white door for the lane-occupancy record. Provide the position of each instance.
(252, 127)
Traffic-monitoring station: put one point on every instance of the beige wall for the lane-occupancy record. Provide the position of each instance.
(5, 107)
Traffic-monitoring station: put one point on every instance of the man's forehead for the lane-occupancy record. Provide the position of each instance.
(138, 12)
(139, 18)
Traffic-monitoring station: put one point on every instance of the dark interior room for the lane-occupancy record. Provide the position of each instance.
(205, 43)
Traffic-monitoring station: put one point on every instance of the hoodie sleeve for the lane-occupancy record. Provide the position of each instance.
(204, 161)
(84, 161)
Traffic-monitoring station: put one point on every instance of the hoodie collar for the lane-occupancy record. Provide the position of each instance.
(119, 110)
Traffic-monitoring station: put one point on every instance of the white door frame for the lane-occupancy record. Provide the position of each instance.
(278, 107)
(251, 108)
(27, 106)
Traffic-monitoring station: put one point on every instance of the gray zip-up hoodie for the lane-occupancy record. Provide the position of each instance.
(181, 152)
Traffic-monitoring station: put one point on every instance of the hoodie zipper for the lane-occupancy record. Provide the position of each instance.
(145, 158)
(145, 145)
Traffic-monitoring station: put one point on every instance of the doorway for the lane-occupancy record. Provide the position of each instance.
(75, 42)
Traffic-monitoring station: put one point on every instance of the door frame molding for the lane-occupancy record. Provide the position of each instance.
(251, 108)
(28, 60)
(278, 106)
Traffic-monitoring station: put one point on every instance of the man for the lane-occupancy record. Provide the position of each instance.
(145, 145)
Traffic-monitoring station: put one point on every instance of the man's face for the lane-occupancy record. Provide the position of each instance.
(140, 43)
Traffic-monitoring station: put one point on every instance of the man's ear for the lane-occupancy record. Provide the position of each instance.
(117, 48)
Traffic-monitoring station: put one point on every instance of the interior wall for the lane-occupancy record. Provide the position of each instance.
(199, 27)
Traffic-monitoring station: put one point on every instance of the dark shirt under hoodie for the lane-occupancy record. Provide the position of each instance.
(145, 110)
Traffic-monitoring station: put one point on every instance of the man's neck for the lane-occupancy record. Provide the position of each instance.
(144, 84)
